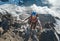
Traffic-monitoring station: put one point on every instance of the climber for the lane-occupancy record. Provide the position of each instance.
(32, 21)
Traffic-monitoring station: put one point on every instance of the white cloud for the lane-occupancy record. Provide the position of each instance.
(55, 3)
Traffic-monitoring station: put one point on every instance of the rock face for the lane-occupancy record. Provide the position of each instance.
(12, 35)
(48, 36)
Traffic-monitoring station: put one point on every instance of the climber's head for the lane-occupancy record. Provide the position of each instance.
(33, 13)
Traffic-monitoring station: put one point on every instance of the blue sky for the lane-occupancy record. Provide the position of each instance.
(55, 3)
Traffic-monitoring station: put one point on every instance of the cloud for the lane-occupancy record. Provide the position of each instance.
(55, 3)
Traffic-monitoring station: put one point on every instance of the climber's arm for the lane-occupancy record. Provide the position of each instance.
(39, 24)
